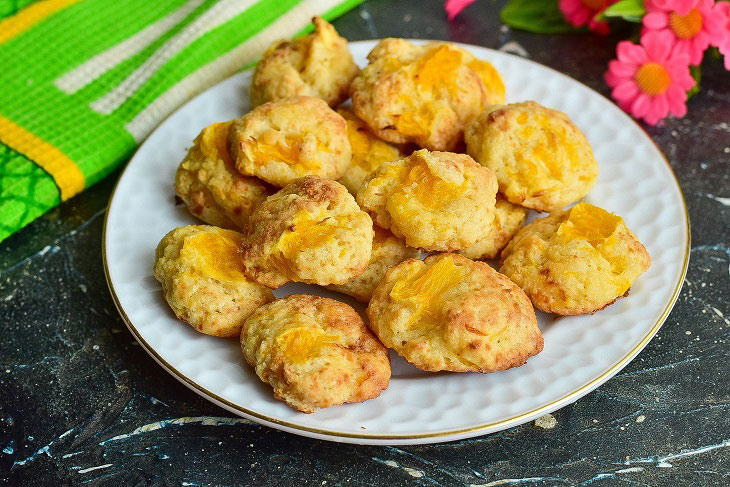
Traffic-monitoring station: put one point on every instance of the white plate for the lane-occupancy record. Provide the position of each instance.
(580, 353)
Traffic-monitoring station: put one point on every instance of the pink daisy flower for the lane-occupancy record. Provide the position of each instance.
(650, 80)
(722, 9)
(581, 12)
(694, 31)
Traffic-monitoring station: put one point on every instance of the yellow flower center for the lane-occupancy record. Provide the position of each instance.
(686, 26)
(594, 5)
(653, 79)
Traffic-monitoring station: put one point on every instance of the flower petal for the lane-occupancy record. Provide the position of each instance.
(625, 91)
(713, 24)
(660, 106)
(580, 17)
(676, 98)
(625, 106)
(677, 107)
(682, 50)
(655, 20)
(640, 106)
(698, 45)
(611, 80)
(453, 7)
(685, 81)
(628, 52)
(722, 8)
(682, 6)
(569, 6)
(622, 52)
(705, 4)
(678, 55)
(651, 119)
(621, 70)
(657, 46)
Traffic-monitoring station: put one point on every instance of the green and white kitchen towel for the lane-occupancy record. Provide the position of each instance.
(82, 82)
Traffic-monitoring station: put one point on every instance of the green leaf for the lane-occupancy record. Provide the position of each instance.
(696, 73)
(713, 53)
(630, 10)
(539, 16)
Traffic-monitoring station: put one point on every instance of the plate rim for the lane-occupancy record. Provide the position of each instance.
(440, 436)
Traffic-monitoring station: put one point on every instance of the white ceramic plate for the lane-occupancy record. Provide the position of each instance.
(580, 353)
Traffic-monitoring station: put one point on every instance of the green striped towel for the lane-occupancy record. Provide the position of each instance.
(83, 82)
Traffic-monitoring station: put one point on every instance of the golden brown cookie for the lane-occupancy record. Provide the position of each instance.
(575, 261)
(423, 94)
(388, 250)
(368, 151)
(203, 280)
(285, 140)
(318, 64)
(211, 187)
(311, 231)
(315, 352)
(508, 219)
(452, 313)
(541, 159)
(436, 201)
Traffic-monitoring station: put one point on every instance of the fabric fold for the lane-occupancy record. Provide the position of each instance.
(88, 80)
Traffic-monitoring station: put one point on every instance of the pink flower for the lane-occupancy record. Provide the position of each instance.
(722, 9)
(694, 30)
(581, 12)
(650, 80)
(453, 7)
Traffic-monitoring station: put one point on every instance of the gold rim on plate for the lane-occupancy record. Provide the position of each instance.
(494, 426)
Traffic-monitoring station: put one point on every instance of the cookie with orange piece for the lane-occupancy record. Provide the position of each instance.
(452, 313)
(315, 352)
(541, 159)
(424, 94)
(281, 141)
(311, 231)
(575, 261)
(211, 187)
(203, 279)
(435, 201)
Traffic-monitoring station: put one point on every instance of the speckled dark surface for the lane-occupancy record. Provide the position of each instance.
(82, 403)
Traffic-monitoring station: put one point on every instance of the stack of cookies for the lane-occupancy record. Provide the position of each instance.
(427, 159)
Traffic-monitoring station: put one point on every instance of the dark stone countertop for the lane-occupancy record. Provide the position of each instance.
(82, 403)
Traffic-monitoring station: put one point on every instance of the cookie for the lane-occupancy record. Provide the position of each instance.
(203, 279)
(576, 261)
(285, 140)
(423, 94)
(452, 313)
(315, 352)
(212, 188)
(311, 231)
(541, 159)
(318, 64)
(508, 219)
(435, 201)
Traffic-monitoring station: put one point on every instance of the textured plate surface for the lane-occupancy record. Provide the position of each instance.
(580, 352)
